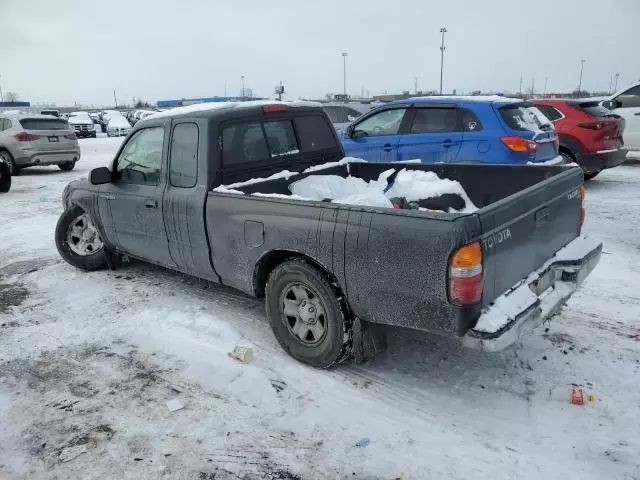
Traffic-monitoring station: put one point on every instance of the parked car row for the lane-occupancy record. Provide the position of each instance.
(490, 129)
(134, 116)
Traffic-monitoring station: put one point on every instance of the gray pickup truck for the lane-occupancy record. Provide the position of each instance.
(330, 273)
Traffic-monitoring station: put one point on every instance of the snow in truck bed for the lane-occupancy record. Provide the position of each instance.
(413, 185)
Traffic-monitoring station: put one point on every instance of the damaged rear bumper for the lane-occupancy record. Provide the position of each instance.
(531, 301)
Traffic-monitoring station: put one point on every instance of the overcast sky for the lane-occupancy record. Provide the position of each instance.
(80, 51)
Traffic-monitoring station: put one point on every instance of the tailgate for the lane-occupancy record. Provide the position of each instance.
(521, 232)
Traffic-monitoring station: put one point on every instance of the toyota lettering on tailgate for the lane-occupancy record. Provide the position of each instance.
(497, 238)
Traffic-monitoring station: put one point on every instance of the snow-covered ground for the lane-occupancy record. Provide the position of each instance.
(89, 360)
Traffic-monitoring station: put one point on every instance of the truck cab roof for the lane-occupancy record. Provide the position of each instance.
(206, 110)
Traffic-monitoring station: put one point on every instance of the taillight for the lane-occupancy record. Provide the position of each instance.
(274, 108)
(593, 125)
(26, 137)
(582, 195)
(519, 144)
(465, 275)
(71, 136)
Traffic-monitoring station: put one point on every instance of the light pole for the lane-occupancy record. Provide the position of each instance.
(615, 88)
(581, 69)
(344, 75)
(2, 97)
(415, 84)
(242, 91)
(443, 30)
(545, 85)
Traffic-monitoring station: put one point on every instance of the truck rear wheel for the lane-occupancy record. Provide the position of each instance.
(78, 241)
(308, 316)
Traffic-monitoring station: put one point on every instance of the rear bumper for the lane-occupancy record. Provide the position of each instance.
(557, 160)
(535, 299)
(594, 162)
(48, 158)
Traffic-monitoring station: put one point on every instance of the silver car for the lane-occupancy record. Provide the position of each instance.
(31, 140)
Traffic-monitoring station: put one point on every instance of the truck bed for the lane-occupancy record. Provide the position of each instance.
(393, 263)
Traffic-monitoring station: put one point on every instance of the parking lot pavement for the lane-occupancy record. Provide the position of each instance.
(89, 360)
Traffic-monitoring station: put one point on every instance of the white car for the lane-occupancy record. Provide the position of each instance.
(82, 124)
(626, 103)
(118, 126)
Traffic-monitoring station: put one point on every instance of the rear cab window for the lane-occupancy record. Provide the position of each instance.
(254, 141)
(183, 167)
(43, 124)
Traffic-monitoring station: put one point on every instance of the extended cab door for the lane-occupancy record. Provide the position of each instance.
(434, 135)
(627, 105)
(132, 203)
(184, 199)
(375, 138)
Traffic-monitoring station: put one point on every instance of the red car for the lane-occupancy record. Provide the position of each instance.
(590, 134)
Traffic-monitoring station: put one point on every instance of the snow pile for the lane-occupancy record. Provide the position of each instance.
(418, 185)
(413, 185)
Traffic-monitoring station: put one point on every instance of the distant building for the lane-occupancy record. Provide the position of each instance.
(192, 101)
(14, 104)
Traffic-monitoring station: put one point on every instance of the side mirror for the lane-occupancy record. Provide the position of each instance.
(348, 132)
(100, 176)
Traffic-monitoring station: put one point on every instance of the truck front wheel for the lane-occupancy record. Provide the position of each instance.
(308, 316)
(78, 240)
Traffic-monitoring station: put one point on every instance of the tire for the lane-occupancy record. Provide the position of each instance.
(69, 252)
(568, 157)
(66, 166)
(320, 350)
(93, 135)
(5, 178)
(589, 176)
(14, 170)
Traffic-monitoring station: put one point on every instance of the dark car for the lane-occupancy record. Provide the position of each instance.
(53, 113)
(202, 190)
(342, 114)
(590, 134)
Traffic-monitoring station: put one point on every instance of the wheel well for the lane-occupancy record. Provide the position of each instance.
(271, 260)
(567, 150)
(3, 149)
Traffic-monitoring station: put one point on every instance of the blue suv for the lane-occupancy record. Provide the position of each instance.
(479, 129)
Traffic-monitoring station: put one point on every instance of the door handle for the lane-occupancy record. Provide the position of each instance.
(151, 203)
(448, 143)
(637, 113)
(387, 147)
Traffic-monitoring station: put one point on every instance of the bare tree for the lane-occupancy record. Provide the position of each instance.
(11, 97)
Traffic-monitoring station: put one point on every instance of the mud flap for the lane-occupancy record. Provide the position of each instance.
(368, 340)
(114, 260)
